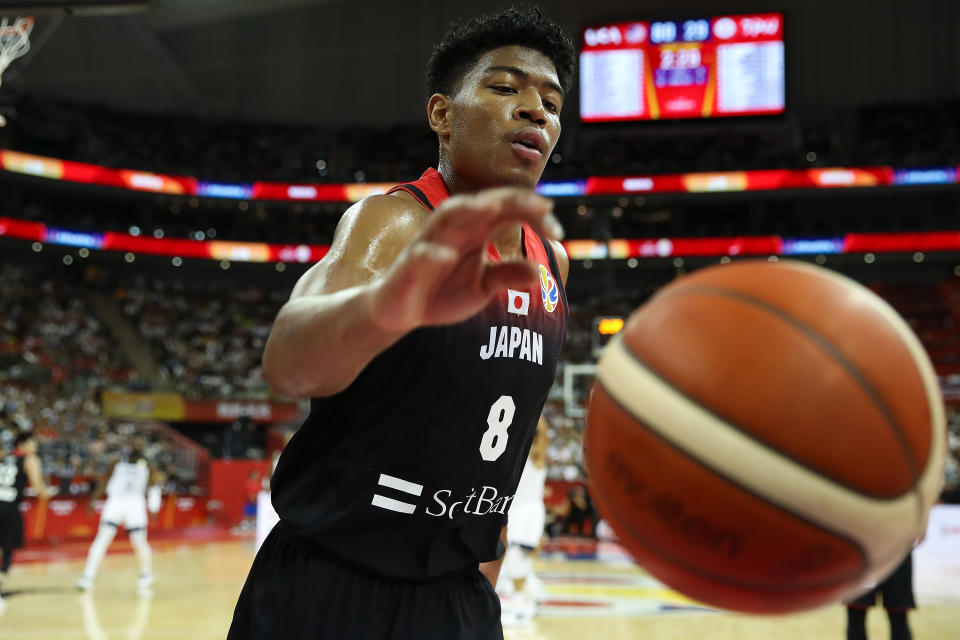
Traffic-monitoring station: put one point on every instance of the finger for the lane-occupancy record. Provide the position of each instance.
(518, 205)
(475, 218)
(498, 276)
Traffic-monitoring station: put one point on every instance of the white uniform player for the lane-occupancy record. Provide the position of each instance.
(518, 585)
(126, 506)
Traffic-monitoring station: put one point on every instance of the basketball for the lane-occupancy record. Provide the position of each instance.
(766, 437)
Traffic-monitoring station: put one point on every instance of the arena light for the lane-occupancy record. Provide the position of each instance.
(609, 326)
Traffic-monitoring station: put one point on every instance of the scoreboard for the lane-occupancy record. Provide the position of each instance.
(700, 68)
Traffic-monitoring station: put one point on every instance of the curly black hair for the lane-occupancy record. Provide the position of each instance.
(465, 42)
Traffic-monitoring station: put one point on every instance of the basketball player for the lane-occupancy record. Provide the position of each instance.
(897, 593)
(126, 506)
(427, 339)
(15, 470)
(518, 586)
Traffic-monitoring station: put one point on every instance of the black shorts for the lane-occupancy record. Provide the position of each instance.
(11, 526)
(295, 592)
(897, 590)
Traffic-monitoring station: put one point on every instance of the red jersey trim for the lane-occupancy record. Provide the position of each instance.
(429, 189)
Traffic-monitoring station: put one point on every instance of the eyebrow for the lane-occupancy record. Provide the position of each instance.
(517, 71)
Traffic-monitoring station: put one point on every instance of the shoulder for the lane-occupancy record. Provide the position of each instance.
(382, 214)
(369, 237)
(563, 260)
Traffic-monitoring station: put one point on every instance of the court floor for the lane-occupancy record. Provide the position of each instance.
(197, 586)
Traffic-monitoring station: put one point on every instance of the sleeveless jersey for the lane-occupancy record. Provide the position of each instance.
(13, 479)
(129, 479)
(410, 471)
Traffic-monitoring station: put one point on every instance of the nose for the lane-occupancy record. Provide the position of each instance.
(531, 108)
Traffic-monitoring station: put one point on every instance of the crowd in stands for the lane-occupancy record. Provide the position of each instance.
(951, 491)
(915, 135)
(48, 331)
(208, 339)
(55, 358)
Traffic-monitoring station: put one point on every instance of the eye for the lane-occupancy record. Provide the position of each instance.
(504, 88)
(551, 107)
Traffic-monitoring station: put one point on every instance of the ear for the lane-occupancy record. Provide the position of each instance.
(438, 114)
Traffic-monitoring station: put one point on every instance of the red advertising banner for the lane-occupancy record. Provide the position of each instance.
(69, 518)
(703, 182)
(171, 407)
(260, 411)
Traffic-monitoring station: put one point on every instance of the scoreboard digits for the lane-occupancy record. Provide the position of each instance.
(720, 66)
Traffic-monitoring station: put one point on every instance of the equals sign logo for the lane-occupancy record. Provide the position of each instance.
(392, 482)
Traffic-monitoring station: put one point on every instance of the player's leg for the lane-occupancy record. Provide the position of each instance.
(518, 606)
(138, 538)
(136, 524)
(857, 615)
(898, 599)
(11, 538)
(98, 549)
(856, 623)
(532, 584)
(6, 557)
(5, 562)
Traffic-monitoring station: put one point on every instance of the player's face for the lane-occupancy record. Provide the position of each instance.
(505, 119)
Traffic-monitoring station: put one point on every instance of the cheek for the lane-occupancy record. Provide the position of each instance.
(477, 128)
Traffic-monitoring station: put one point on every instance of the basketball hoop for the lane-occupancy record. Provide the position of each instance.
(14, 40)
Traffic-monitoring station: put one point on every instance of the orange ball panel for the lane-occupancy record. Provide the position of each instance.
(771, 380)
(838, 310)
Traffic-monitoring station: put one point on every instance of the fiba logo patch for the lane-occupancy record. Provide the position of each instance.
(549, 290)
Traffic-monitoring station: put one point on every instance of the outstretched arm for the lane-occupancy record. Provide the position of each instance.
(31, 464)
(393, 268)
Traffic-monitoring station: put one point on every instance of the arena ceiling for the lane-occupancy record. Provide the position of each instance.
(339, 62)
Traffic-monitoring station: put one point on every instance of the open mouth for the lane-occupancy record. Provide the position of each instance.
(528, 144)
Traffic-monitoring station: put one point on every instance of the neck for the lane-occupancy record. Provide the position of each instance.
(507, 240)
(455, 183)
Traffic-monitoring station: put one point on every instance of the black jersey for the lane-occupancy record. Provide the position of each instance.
(409, 472)
(13, 479)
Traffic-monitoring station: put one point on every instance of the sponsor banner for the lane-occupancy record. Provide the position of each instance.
(357, 192)
(70, 519)
(703, 182)
(307, 192)
(157, 183)
(943, 530)
(142, 406)
(225, 190)
(936, 175)
(32, 165)
(172, 407)
(23, 230)
(229, 410)
(239, 251)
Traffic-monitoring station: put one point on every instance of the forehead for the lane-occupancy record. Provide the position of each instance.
(529, 60)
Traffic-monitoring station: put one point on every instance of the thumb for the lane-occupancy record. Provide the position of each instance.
(498, 276)
(402, 298)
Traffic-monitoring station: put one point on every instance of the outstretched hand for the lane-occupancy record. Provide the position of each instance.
(444, 275)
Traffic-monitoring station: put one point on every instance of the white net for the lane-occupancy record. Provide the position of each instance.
(14, 40)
